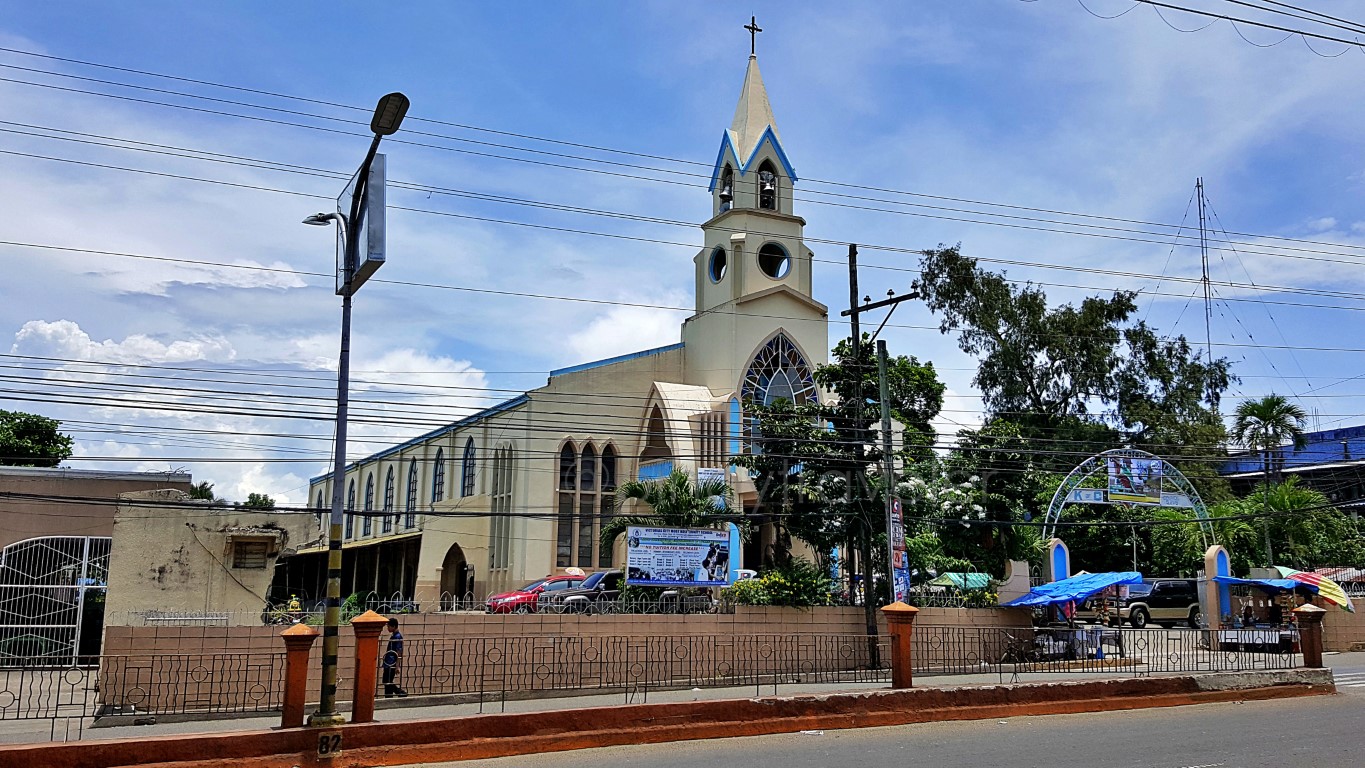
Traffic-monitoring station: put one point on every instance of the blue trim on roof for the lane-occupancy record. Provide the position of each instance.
(473, 418)
(768, 136)
(612, 360)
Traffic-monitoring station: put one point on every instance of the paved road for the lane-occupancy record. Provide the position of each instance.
(1316, 732)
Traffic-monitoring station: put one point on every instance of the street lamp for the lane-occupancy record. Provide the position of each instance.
(388, 115)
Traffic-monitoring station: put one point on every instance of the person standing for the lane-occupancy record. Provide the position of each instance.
(393, 661)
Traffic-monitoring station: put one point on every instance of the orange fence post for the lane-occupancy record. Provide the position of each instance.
(900, 621)
(298, 641)
(367, 627)
(1309, 617)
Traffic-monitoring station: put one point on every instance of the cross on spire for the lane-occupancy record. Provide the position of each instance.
(754, 29)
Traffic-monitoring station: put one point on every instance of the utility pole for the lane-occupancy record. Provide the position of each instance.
(852, 313)
(1204, 258)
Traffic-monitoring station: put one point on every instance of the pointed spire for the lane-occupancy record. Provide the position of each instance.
(753, 114)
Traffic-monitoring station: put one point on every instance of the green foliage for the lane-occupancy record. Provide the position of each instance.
(981, 598)
(352, 606)
(203, 490)
(674, 502)
(258, 501)
(798, 583)
(746, 592)
(30, 440)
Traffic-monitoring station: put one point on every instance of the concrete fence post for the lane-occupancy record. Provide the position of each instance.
(298, 641)
(900, 622)
(1309, 618)
(367, 627)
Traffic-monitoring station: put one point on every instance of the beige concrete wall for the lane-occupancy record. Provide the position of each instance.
(170, 558)
(25, 518)
(1342, 631)
(161, 659)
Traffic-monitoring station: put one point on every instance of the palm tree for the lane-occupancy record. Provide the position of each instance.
(675, 502)
(1265, 425)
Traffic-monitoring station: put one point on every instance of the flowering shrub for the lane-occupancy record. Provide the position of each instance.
(799, 583)
(981, 598)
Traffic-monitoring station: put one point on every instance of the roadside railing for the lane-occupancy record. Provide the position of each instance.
(487, 670)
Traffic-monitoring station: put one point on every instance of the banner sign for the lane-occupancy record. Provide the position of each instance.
(1134, 479)
(677, 557)
(1087, 496)
(900, 563)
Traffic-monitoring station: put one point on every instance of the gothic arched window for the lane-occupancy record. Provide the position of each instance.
(367, 522)
(438, 476)
(727, 188)
(767, 186)
(350, 508)
(410, 508)
(386, 522)
(778, 371)
(467, 469)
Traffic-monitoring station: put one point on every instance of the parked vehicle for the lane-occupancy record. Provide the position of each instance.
(524, 600)
(1166, 602)
(596, 590)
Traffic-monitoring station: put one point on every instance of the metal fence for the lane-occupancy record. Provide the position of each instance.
(496, 669)
(142, 686)
(1011, 651)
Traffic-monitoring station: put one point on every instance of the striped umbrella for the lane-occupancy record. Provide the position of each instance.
(1327, 589)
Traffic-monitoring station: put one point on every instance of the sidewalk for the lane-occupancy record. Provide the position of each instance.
(420, 708)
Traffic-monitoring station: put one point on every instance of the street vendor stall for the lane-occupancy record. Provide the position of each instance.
(1067, 641)
(1264, 618)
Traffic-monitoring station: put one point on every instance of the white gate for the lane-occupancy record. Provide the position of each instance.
(52, 599)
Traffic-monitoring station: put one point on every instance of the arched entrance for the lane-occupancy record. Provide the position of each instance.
(457, 580)
(1132, 477)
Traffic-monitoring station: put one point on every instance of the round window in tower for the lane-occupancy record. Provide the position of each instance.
(774, 261)
(716, 268)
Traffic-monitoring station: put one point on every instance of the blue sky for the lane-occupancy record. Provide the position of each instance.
(1041, 105)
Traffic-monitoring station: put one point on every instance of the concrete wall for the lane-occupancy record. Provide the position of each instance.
(27, 518)
(161, 661)
(173, 555)
(1342, 631)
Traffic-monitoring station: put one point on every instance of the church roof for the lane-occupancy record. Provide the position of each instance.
(753, 114)
(753, 125)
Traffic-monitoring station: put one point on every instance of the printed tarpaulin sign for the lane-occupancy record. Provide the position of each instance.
(900, 563)
(1134, 479)
(677, 557)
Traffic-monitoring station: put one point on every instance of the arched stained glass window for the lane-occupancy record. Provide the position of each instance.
(350, 507)
(369, 492)
(386, 523)
(410, 509)
(778, 371)
(438, 476)
(467, 469)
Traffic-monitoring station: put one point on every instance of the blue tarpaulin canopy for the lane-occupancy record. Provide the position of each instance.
(1270, 585)
(1075, 589)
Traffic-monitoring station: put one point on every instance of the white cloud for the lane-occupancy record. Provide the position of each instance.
(1323, 224)
(65, 339)
(622, 330)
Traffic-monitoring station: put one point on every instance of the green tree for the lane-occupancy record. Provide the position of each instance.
(1264, 425)
(1078, 379)
(818, 467)
(258, 501)
(30, 440)
(203, 490)
(674, 502)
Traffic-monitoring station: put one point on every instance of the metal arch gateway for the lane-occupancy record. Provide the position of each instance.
(1181, 493)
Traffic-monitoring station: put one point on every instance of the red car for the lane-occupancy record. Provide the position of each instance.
(524, 600)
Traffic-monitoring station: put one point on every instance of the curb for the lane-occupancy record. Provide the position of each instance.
(503, 735)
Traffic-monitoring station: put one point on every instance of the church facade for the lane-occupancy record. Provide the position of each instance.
(519, 490)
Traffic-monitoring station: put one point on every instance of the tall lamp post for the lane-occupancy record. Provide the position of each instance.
(388, 115)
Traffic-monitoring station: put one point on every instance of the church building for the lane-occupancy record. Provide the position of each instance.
(518, 490)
